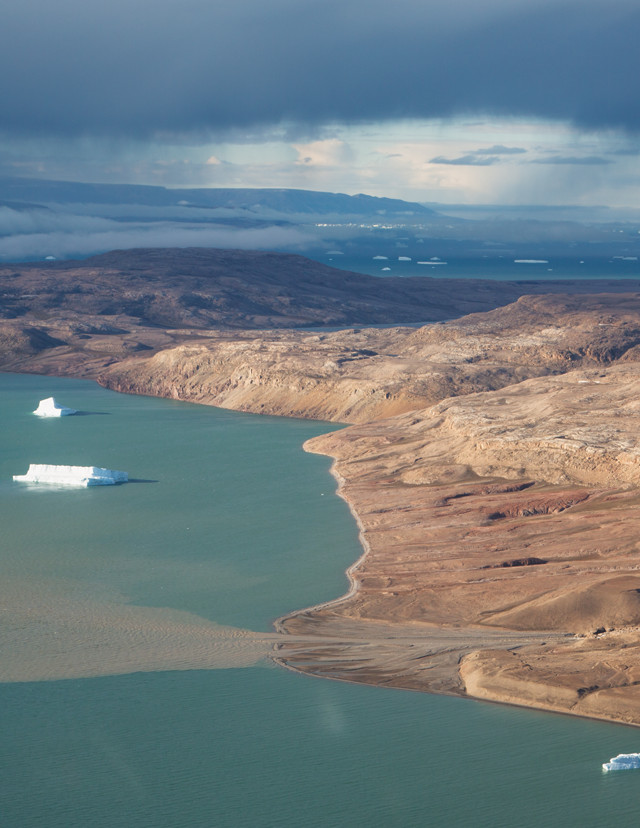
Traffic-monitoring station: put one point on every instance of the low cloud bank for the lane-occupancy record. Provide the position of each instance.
(29, 237)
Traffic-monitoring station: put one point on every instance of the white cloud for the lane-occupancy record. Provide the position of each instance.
(331, 152)
(29, 222)
(386, 159)
(83, 242)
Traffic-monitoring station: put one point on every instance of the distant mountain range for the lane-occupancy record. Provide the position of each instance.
(41, 219)
(253, 200)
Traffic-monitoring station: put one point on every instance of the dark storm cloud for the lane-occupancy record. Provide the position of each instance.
(162, 66)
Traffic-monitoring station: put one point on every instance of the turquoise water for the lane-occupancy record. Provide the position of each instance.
(232, 522)
(493, 267)
(230, 519)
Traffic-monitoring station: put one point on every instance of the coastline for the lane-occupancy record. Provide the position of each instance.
(349, 572)
(383, 635)
(579, 667)
(299, 653)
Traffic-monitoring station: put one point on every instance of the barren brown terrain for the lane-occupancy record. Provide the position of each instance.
(493, 464)
(363, 374)
(79, 317)
(489, 514)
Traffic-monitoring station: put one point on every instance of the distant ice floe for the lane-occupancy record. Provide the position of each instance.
(50, 408)
(376, 258)
(432, 263)
(82, 476)
(404, 258)
(386, 268)
(623, 761)
(531, 261)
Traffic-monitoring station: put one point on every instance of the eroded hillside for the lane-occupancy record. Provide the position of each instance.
(363, 374)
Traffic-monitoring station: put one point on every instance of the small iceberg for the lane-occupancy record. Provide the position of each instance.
(623, 761)
(50, 408)
(531, 261)
(71, 475)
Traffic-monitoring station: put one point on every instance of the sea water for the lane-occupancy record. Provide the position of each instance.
(228, 520)
(527, 266)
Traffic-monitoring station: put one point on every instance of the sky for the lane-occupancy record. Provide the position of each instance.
(456, 101)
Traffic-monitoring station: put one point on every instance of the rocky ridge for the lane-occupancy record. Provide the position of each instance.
(363, 374)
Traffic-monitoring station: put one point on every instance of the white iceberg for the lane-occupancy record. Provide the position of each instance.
(50, 408)
(531, 261)
(623, 761)
(71, 475)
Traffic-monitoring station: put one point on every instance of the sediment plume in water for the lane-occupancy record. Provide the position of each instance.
(49, 633)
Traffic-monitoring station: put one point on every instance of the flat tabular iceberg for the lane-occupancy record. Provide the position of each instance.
(531, 261)
(50, 408)
(72, 475)
(623, 761)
